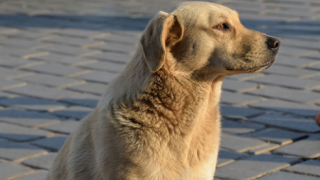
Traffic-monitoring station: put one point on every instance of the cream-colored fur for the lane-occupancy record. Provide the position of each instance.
(160, 120)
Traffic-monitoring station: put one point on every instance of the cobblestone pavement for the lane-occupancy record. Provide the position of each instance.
(58, 56)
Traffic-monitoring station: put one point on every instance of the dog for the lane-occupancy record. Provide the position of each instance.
(160, 119)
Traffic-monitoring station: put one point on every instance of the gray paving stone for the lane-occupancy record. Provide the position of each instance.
(14, 62)
(294, 61)
(20, 43)
(42, 92)
(254, 167)
(26, 118)
(287, 176)
(18, 133)
(244, 77)
(291, 51)
(310, 167)
(117, 47)
(7, 84)
(120, 39)
(239, 144)
(98, 76)
(238, 99)
(7, 73)
(10, 170)
(72, 41)
(227, 157)
(49, 80)
(286, 94)
(32, 103)
(82, 100)
(18, 151)
(53, 143)
(67, 50)
(286, 81)
(22, 52)
(4, 95)
(107, 66)
(278, 136)
(264, 149)
(76, 112)
(287, 122)
(56, 69)
(239, 127)
(89, 87)
(288, 71)
(41, 162)
(112, 56)
(239, 112)
(289, 107)
(38, 175)
(238, 86)
(307, 148)
(64, 59)
(65, 127)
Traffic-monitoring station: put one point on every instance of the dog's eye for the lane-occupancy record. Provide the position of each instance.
(222, 26)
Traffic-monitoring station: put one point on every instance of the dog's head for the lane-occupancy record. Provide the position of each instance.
(205, 40)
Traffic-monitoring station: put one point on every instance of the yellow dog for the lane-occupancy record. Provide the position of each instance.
(160, 120)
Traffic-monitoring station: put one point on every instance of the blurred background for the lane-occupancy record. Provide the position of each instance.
(58, 56)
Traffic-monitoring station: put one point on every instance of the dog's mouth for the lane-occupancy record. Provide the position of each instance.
(253, 69)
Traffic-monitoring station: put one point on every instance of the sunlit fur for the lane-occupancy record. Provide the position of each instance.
(160, 120)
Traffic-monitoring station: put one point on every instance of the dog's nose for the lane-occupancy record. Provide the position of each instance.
(273, 43)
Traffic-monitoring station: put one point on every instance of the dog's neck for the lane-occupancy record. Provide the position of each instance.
(161, 97)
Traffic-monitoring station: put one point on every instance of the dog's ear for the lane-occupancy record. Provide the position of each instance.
(162, 32)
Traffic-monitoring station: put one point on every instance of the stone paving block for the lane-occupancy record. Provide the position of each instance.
(41, 162)
(239, 127)
(120, 39)
(72, 41)
(64, 59)
(310, 167)
(264, 149)
(112, 56)
(293, 61)
(238, 99)
(239, 144)
(278, 136)
(288, 71)
(32, 103)
(18, 133)
(7, 84)
(239, 112)
(22, 43)
(18, 151)
(291, 51)
(117, 47)
(286, 81)
(49, 80)
(238, 86)
(53, 143)
(289, 107)
(22, 52)
(227, 157)
(38, 175)
(254, 167)
(244, 77)
(98, 76)
(64, 127)
(8, 170)
(82, 100)
(89, 87)
(77, 112)
(14, 62)
(56, 69)
(105, 65)
(7, 73)
(67, 50)
(307, 148)
(287, 176)
(286, 94)
(42, 92)
(4, 95)
(287, 122)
